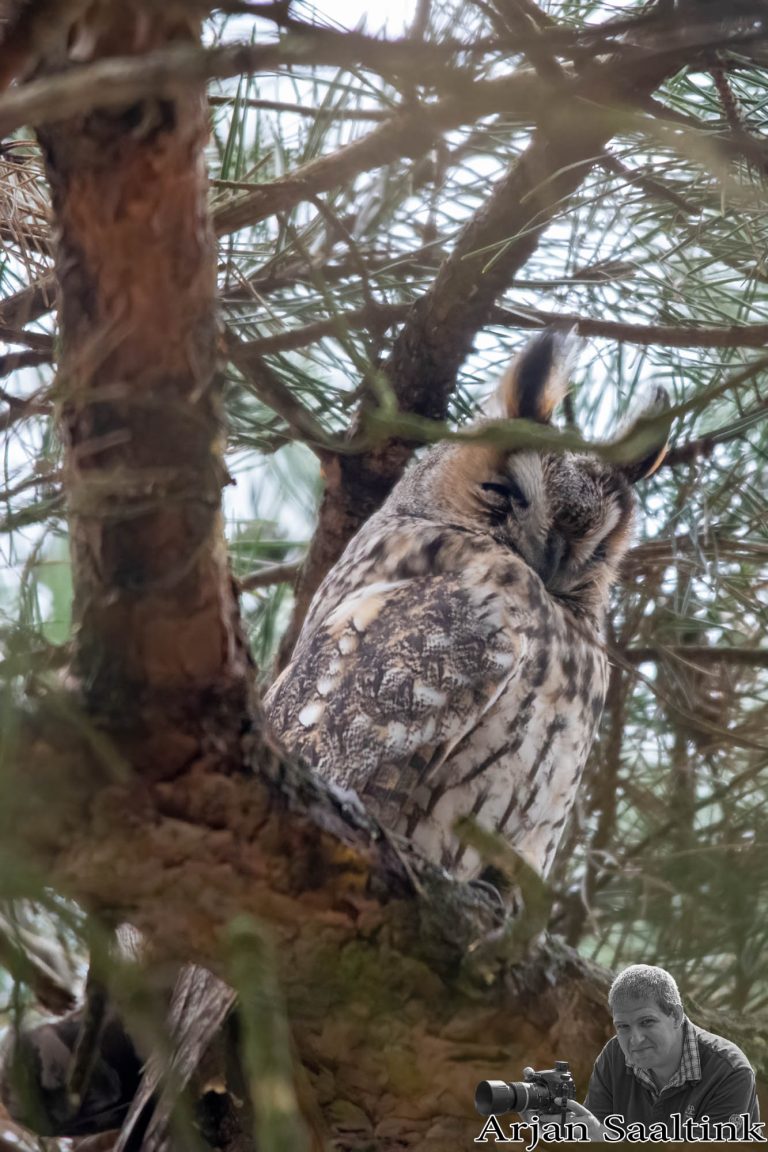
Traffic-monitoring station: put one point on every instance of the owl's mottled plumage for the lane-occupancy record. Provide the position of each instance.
(450, 663)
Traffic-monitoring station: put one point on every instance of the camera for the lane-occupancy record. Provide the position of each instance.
(537, 1090)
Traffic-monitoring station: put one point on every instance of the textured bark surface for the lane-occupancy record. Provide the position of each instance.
(401, 991)
(159, 648)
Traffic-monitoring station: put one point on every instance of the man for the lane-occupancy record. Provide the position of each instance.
(659, 1065)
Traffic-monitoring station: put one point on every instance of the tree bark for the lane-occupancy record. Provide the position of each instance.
(159, 653)
(402, 989)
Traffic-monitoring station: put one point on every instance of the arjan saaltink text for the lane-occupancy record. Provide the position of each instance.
(674, 1131)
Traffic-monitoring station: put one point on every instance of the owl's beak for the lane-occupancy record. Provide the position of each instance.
(554, 551)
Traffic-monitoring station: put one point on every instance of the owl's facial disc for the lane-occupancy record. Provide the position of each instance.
(567, 517)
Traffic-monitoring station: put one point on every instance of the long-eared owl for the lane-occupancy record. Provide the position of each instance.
(450, 664)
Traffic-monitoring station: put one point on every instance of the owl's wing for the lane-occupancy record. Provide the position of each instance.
(382, 691)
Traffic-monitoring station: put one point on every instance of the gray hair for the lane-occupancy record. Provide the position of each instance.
(646, 981)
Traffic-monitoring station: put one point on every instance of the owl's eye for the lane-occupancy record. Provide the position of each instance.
(509, 490)
(600, 552)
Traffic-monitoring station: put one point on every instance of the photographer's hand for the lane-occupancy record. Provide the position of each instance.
(575, 1113)
(582, 1115)
(535, 1117)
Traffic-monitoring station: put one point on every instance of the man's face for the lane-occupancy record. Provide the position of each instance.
(648, 1037)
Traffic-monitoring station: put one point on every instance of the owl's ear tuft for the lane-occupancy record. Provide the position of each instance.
(656, 419)
(539, 376)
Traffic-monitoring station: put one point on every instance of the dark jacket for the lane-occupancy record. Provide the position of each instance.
(725, 1090)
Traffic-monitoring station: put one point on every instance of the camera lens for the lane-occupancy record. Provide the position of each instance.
(493, 1097)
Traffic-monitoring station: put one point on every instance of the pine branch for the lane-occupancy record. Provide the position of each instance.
(379, 317)
(441, 326)
(272, 392)
(40, 346)
(121, 81)
(28, 304)
(17, 360)
(695, 655)
(407, 133)
(272, 574)
(17, 410)
(703, 446)
(340, 114)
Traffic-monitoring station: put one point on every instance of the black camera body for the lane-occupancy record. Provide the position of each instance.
(537, 1090)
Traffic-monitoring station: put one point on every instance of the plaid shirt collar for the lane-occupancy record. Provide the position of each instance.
(689, 1068)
